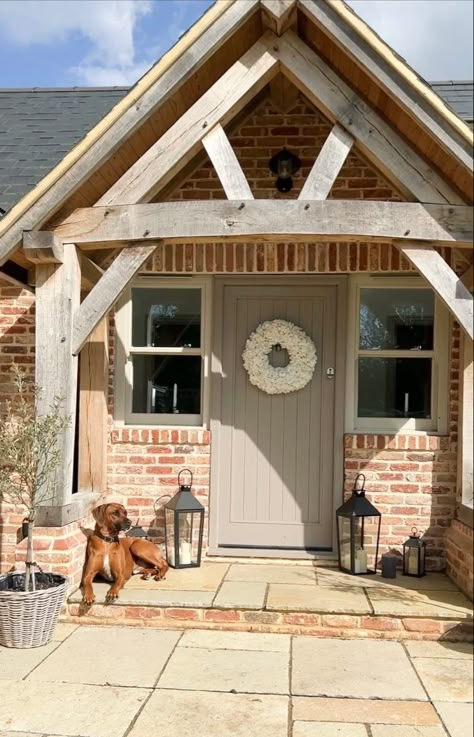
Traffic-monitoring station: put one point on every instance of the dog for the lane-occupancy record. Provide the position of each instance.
(117, 559)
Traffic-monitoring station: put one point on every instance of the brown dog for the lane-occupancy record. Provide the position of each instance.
(114, 558)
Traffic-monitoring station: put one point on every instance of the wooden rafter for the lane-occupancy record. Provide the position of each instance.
(98, 227)
(226, 164)
(278, 14)
(328, 165)
(181, 142)
(43, 247)
(90, 272)
(444, 281)
(468, 278)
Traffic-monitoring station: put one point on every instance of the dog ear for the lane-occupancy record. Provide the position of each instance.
(99, 514)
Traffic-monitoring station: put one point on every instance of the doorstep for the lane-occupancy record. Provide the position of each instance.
(296, 599)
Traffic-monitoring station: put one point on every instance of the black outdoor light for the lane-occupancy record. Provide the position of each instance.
(184, 525)
(137, 532)
(284, 164)
(358, 553)
(414, 555)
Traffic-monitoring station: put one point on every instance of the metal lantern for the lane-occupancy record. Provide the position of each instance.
(284, 164)
(414, 555)
(137, 532)
(358, 553)
(184, 525)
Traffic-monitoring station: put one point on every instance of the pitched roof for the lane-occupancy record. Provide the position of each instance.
(459, 96)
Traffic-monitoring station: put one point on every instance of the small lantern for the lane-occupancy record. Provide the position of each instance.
(284, 164)
(138, 532)
(352, 517)
(414, 555)
(184, 525)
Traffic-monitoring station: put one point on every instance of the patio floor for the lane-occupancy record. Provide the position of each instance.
(285, 595)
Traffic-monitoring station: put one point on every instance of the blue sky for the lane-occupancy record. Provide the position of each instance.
(54, 43)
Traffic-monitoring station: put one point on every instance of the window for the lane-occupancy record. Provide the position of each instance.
(398, 372)
(162, 343)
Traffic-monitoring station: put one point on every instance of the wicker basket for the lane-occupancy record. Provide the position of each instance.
(28, 618)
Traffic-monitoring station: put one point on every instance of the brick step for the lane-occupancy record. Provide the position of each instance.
(319, 624)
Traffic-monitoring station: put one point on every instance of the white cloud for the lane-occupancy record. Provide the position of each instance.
(434, 36)
(107, 25)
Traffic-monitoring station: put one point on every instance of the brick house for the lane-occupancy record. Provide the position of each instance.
(147, 239)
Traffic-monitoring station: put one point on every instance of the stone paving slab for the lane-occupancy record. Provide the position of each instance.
(328, 729)
(329, 599)
(68, 709)
(206, 578)
(353, 668)
(440, 604)
(225, 670)
(432, 649)
(416, 713)
(151, 596)
(458, 718)
(445, 679)
(272, 573)
(430, 582)
(63, 630)
(203, 714)
(17, 663)
(109, 656)
(380, 730)
(241, 595)
(235, 641)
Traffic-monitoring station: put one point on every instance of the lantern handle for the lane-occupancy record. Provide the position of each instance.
(359, 475)
(414, 532)
(185, 470)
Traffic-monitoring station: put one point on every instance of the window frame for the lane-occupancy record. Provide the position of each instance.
(124, 352)
(439, 355)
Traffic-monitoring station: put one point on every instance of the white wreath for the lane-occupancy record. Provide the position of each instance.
(301, 354)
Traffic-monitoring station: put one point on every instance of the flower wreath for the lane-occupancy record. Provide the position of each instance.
(301, 353)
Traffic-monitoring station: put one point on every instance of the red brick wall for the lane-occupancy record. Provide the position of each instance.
(460, 554)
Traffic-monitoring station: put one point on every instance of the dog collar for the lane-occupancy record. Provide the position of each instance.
(107, 538)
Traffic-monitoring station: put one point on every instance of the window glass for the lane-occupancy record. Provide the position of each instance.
(166, 318)
(396, 319)
(394, 387)
(167, 384)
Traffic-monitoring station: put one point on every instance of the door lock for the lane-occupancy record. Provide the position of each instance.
(330, 373)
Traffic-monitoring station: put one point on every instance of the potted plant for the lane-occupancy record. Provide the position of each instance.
(30, 602)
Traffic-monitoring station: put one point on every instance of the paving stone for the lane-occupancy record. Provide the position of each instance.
(235, 641)
(458, 718)
(294, 597)
(353, 668)
(151, 596)
(430, 582)
(63, 630)
(383, 730)
(437, 604)
(272, 573)
(363, 710)
(445, 679)
(203, 714)
(241, 594)
(328, 729)
(223, 670)
(118, 656)
(17, 663)
(431, 649)
(68, 709)
(205, 578)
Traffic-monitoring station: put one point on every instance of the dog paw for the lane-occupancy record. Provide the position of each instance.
(88, 599)
(111, 596)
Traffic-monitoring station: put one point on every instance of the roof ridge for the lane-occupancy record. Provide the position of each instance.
(65, 89)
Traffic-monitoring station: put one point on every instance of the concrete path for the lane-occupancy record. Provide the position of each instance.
(128, 682)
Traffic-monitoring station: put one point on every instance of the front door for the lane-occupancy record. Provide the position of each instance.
(275, 452)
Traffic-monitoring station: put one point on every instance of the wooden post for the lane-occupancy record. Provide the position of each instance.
(57, 298)
(465, 488)
(94, 373)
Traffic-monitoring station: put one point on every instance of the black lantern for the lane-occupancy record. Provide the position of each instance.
(184, 524)
(284, 164)
(357, 552)
(414, 555)
(137, 532)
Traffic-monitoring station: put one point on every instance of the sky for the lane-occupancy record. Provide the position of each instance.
(63, 43)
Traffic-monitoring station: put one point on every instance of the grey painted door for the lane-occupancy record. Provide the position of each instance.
(275, 480)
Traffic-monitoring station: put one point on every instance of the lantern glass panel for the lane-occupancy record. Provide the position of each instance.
(414, 561)
(170, 538)
(344, 526)
(189, 526)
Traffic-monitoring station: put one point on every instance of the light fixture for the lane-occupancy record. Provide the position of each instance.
(284, 164)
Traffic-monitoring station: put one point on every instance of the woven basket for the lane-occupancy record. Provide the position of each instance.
(28, 618)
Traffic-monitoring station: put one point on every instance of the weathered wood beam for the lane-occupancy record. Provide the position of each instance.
(107, 291)
(468, 278)
(90, 272)
(162, 161)
(278, 15)
(162, 89)
(270, 220)
(94, 377)
(328, 165)
(377, 140)
(465, 470)
(444, 281)
(395, 84)
(57, 298)
(42, 247)
(284, 94)
(226, 164)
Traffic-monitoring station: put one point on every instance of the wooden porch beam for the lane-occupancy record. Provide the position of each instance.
(465, 475)
(444, 281)
(269, 220)
(278, 14)
(377, 140)
(107, 291)
(327, 166)
(90, 272)
(226, 164)
(468, 278)
(162, 161)
(42, 247)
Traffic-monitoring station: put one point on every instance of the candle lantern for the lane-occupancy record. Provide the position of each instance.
(138, 532)
(358, 532)
(184, 525)
(414, 555)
